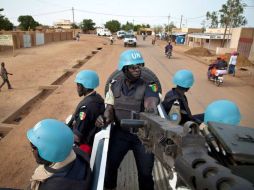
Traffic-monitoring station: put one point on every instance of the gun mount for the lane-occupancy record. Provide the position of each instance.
(184, 149)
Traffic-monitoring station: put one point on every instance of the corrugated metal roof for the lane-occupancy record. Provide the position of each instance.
(128, 178)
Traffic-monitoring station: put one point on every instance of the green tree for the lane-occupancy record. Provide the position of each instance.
(232, 16)
(137, 27)
(113, 25)
(87, 24)
(158, 29)
(74, 26)
(168, 28)
(27, 22)
(128, 26)
(5, 24)
(212, 18)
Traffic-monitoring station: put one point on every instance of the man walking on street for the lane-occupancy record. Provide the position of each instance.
(4, 75)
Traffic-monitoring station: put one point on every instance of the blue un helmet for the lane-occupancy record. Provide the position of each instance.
(88, 78)
(130, 57)
(223, 111)
(52, 138)
(183, 78)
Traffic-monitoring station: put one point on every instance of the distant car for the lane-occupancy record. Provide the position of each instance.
(130, 40)
(103, 32)
(120, 34)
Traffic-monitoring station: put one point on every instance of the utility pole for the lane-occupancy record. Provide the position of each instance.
(72, 15)
(168, 22)
(133, 25)
(73, 21)
(181, 21)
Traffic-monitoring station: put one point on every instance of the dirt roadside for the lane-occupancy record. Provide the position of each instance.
(32, 68)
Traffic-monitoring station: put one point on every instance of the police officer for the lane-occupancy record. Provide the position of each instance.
(175, 102)
(222, 111)
(92, 105)
(61, 167)
(130, 93)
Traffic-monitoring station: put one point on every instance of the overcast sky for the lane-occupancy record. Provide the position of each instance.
(153, 12)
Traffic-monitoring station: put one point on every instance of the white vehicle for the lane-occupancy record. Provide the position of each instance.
(130, 40)
(103, 32)
(120, 34)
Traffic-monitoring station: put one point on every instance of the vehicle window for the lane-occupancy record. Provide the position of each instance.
(129, 36)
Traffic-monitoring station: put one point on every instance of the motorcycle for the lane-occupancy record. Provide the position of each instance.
(169, 53)
(111, 39)
(153, 41)
(216, 77)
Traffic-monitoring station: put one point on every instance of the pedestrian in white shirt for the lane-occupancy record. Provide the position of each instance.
(232, 63)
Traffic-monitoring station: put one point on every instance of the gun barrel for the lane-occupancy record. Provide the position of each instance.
(133, 123)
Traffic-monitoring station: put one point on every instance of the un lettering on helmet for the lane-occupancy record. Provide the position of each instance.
(136, 55)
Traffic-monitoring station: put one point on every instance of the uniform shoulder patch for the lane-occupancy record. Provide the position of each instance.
(82, 115)
(154, 87)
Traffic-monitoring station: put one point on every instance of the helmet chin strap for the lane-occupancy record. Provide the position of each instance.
(40, 160)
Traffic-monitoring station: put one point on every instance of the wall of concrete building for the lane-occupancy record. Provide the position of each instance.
(194, 30)
(187, 30)
(214, 44)
(251, 57)
(176, 30)
(236, 33)
(216, 30)
(246, 41)
(198, 42)
(18, 39)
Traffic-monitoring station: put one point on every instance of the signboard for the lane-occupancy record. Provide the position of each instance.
(6, 40)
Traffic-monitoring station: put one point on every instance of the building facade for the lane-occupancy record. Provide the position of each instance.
(236, 39)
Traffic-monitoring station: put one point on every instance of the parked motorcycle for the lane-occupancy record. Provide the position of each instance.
(217, 77)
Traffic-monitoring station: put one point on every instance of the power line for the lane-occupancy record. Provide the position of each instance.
(109, 14)
(48, 13)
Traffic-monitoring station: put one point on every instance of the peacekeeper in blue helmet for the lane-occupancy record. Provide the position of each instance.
(220, 111)
(131, 93)
(223, 111)
(61, 167)
(87, 111)
(175, 102)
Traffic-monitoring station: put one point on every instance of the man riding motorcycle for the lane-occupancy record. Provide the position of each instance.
(219, 67)
(111, 38)
(168, 48)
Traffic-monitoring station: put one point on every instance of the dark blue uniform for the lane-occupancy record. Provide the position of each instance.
(186, 115)
(74, 176)
(84, 118)
(127, 99)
